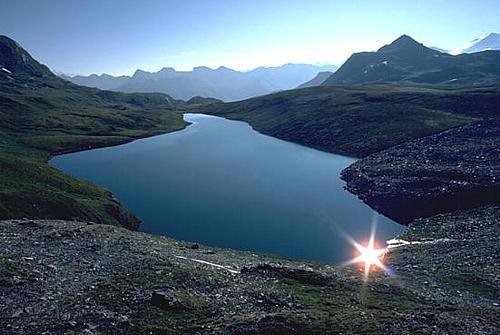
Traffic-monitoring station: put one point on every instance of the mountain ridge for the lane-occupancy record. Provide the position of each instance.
(488, 42)
(316, 81)
(406, 60)
(221, 83)
(15, 61)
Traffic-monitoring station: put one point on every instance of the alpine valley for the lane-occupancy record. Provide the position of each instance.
(423, 125)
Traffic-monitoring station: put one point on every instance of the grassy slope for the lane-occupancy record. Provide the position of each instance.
(360, 120)
(36, 123)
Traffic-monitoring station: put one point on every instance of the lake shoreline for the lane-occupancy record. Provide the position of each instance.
(296, 171)
(423, 279)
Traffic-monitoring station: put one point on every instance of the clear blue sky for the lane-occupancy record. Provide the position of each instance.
(95, 36)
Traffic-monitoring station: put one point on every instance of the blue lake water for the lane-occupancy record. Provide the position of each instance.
(220, 183)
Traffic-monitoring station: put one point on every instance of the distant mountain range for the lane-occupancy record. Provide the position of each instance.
(221, 83)
(406, 60)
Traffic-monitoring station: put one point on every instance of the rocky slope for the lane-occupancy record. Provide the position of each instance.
(70, 277)
(455, 169)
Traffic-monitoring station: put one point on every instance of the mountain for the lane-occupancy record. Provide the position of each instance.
(441, 50)
(406, 60)
(103, 81)
(105, 279)
(318, 80)
(489, 42)
(41, 115)
(221, 83)
(15, 62)
(289, 76)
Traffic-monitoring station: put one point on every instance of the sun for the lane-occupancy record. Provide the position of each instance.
(368, 254)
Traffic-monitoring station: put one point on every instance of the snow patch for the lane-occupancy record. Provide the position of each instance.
(227, 268)
(396, 243)
(5, 70)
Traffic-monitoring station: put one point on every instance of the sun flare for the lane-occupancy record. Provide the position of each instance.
(368, 254)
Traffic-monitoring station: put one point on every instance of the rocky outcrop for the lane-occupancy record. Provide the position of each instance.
(452, 170)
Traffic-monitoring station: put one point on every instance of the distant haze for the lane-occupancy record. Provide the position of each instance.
(117, 37)
(221, 83)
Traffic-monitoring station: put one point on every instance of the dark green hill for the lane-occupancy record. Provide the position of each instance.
(42, 114)
(407, 60)
(360, 120)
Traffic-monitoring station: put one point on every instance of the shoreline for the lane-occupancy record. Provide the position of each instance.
(193, 119)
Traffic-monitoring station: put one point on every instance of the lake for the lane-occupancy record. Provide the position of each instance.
(220, 183)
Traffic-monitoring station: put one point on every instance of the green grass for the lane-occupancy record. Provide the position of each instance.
(463, 281)
(62, 117)
(135, 288)
(360, 120)
(56, 116)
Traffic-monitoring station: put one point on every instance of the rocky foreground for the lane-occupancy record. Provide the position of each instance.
(71, 277)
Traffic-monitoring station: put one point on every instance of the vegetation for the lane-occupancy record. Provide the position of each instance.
(36, 125)
(360, 120)
(41, 115)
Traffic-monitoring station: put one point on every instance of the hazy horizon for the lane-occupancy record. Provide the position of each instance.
(84, 38)
(197, 66)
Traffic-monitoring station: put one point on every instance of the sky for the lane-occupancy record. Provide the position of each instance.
(118, 37)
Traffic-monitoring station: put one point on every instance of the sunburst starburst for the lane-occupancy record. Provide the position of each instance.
(369, 254)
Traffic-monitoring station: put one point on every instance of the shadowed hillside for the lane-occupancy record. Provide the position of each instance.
(406, 60)
(41, 114)
(359, 120)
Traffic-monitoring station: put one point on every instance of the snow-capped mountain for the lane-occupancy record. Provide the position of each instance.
(488, 42)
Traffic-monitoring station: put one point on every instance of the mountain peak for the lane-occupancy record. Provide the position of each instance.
(486, 42)
(140, 73)
(16, 61)
(167, 69)
(224, 68)
(404, 42)
(202, 69)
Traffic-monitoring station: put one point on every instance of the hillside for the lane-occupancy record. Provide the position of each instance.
(41, 114)
(407, 180)
(406, 60)
(316, 81)
(360, 120)
(453, 170)
(221, 83)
